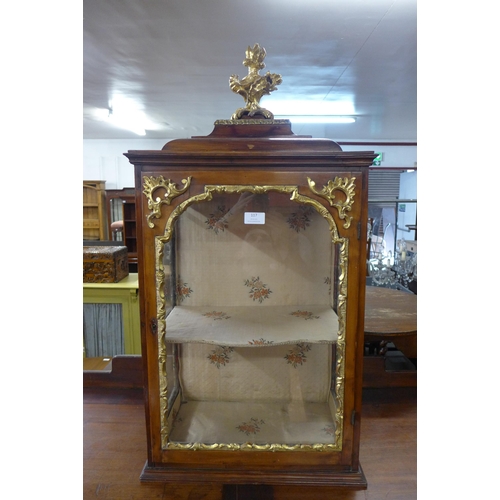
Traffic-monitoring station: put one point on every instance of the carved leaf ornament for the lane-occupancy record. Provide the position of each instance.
(346, 185)
(151, 184)
(254, 86)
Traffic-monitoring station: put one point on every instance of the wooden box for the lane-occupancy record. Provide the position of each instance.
(104, 264)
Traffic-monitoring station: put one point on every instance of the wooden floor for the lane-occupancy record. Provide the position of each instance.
(114, 452)
(97, 364)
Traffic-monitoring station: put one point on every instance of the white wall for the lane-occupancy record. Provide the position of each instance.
(393, 156)
(407, 191)
(104, 160)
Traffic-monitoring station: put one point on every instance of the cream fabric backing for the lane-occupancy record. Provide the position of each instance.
(256, 423)
(215, 264)
(247, 325)
(300, 372)
(253, 317)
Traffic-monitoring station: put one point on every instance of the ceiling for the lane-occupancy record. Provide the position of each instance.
(170, 61)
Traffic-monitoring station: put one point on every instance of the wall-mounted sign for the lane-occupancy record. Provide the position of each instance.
(378, 159)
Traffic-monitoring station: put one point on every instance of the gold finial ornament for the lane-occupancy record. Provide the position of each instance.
(253, 86)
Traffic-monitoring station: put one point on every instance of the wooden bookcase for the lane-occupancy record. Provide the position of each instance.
(121, 206)
(252, 258)
(94, 211)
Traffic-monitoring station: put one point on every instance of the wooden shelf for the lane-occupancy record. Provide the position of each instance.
(94, 211)
(128, 233)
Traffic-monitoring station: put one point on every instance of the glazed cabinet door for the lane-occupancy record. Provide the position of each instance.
(252, 280)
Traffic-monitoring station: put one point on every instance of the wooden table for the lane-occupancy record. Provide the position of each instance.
(390, 316)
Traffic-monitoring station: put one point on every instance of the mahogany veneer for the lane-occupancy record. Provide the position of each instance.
(263, 156)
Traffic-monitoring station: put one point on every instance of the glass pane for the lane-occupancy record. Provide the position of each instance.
(251, 323)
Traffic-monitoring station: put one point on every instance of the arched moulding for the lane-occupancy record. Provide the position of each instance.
(210, 190)
(160, 241)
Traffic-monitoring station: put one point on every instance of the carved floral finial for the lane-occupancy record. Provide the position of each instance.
(253, 86)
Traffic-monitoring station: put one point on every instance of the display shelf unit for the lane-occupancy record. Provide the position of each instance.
(94, 211)
(252, 257)
(121, 207)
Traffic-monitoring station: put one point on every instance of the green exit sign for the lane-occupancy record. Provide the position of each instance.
(378, 159)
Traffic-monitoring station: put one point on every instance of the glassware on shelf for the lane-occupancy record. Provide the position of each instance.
(386, 271)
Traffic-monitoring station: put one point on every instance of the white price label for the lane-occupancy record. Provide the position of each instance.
(255, 218)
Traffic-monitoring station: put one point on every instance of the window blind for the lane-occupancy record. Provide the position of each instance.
(383, 185)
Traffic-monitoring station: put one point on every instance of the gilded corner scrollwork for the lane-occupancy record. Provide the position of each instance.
(347, 186)
(293, 191)
(151, 184)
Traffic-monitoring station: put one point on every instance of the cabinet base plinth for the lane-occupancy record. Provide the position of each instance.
(349, 479)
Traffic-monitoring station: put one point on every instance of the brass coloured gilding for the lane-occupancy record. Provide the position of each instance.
(249, 121)
(162, 348)
(253, 86)
(347, 186)
(151, 184)
(160, 241)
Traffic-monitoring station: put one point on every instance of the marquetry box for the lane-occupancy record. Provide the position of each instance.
(104, 264)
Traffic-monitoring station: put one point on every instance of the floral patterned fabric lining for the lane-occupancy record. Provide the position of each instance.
(221, 261)
(299, 372)
(244, 326)
(227, 422)
(252, 316)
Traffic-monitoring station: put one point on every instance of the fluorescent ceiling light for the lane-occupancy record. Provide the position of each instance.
(311, 107)
(313, 110)
(319, 118)
(127, 113)
(127, 122)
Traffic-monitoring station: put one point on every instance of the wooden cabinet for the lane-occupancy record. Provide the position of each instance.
(252, 257)
(94, 211)
(121, 212)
